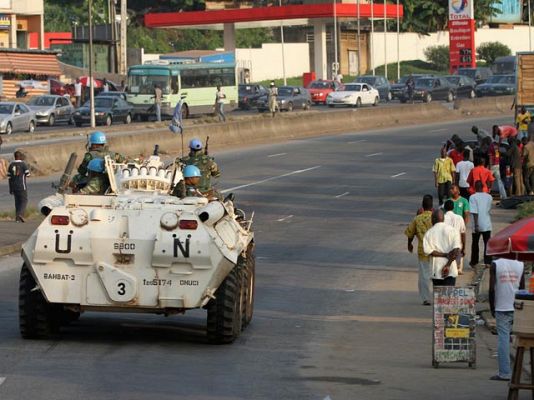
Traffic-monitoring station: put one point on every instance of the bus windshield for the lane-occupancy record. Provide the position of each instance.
(144, 84)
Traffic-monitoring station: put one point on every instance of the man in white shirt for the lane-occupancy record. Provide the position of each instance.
(463, 168)
(506, 277)
(443, 244)
(457, 223)
(480, 206)
(78, 92)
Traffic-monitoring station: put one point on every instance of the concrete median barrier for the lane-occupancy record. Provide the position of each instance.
(52, 158)
(484, 105)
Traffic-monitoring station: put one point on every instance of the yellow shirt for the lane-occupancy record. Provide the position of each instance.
(523, 120)
(418, 227)
(444, 169)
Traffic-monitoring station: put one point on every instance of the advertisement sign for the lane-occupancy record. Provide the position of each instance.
(461, 35)
(5, 21)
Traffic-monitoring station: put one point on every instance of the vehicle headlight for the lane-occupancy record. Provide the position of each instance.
(321, 93)
(77, 113)
(100, 113)
(3, 123)
(282, 101)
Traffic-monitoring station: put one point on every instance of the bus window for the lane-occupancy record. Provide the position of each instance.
(144, 84)
(174, 84)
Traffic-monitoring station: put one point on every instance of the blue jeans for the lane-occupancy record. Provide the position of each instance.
(425, 280)
(521, 134)
(158, 112)
(504, 320)
(220, 111)
(495, 169)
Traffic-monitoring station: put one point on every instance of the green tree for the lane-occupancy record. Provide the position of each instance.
(438, 56)
(489, 51)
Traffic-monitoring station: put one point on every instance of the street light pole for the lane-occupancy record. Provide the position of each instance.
(359, 52)
(91, 83)
(335, 69)
(398, 41)
(529, 27)
(372, 34)
(385, 43)
(283, 52)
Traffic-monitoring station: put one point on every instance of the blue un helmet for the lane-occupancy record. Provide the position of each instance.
(97, 138)
(191, 171)
(195, 144)
(96, 165)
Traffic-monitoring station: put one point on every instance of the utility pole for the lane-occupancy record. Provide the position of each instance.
(359, 40)
(336, 63)
(283, 52)
(385, 43)
(123, 65)
(398, 41)
(529, 27)
(113, 25)
(371, 37)
(91, 81)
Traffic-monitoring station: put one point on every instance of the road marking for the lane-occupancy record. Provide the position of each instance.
(343, 318)
(2, 380)
(396, 176)
(277, 155)
(374, 154)
(439, 130)
(285, 218)
(272, 178)
(341, 195)
(357, 141)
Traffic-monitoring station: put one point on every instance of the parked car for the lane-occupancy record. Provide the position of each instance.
(497, 85)
(249, 95)
(16, 117)
(431, 88)
(108, 109)
(465, 86)
(380, 83)
(289, 98)
(354, 95)
(50, 109)
(122, 95)
(479, 74)
(320, 89)
(398, 88)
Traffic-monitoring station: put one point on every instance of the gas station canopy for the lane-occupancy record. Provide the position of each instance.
(270, 16)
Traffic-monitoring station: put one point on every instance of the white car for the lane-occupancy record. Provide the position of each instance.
(354, 94)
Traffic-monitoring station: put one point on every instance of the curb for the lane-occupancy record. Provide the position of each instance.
(11, 248)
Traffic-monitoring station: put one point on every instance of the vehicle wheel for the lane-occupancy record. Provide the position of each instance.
(144, 118)
(108, 121)
(472, 94)
(185, 111)
(225, 312)
(128, 119)
(289, 106)
(377, 100)
(428, 98)
(38, 319)
(249, 280)
(307, 106)
(450, 97)
(51, 120)
(31, 127)
(78, 124)
(9, 128)
(358, 102)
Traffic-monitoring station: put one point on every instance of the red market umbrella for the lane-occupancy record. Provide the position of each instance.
(84, 80)
(515, 241)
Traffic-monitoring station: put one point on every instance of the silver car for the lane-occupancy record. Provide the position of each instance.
(50, 109)
(16, 117)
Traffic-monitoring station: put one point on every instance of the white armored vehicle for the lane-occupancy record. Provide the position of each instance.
(138, 249)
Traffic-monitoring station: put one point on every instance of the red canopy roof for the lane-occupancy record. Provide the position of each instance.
(290, 12)
(515, 241)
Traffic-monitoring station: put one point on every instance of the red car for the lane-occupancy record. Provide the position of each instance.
(320, 89)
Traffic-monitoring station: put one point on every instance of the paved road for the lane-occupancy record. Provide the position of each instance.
(337, 312)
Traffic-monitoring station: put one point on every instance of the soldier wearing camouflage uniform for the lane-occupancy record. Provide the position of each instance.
(97, 149)
(206, 164)
(97, 183)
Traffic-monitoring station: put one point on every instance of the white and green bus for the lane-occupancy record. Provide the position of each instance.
(195, 82)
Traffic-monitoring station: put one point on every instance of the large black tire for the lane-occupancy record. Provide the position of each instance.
(249, 279)
(225, 312)
(38, 319)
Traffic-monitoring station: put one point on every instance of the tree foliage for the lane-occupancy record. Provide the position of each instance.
(489, 51)
(438, 56)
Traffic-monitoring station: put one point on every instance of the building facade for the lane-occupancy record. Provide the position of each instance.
(21, 20)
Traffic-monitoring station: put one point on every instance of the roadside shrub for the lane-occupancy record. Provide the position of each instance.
(489, 51)
(438, 56)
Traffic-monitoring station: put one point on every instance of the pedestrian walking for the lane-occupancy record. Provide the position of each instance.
(480, 174)
(410, 87)
(480, 205)
(443, 244)
(417, 228)
(219, 104)
(495, 166)
(480, 133)
(17, 173)
(457, 222)
(522, 122)
(516, 164)
(528, 160)
(461, 204)
(105, 86)
(463, 168)
(78, 92)
(273, 99)
(158, 94)
(443, 174)
(506, 277)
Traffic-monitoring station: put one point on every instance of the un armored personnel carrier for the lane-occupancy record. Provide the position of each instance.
(138, 249)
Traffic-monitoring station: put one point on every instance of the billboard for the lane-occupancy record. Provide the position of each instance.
(461, 35)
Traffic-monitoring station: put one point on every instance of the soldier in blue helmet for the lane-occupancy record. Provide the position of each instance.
(206, 164)
(97, 183)
(189, 186)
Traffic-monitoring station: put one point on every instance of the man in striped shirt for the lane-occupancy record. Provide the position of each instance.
(17, 173)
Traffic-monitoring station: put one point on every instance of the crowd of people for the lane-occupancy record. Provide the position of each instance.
(465, 175)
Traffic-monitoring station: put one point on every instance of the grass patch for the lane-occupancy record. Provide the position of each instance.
(31, 213)
(525, 210)
(410, 67)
